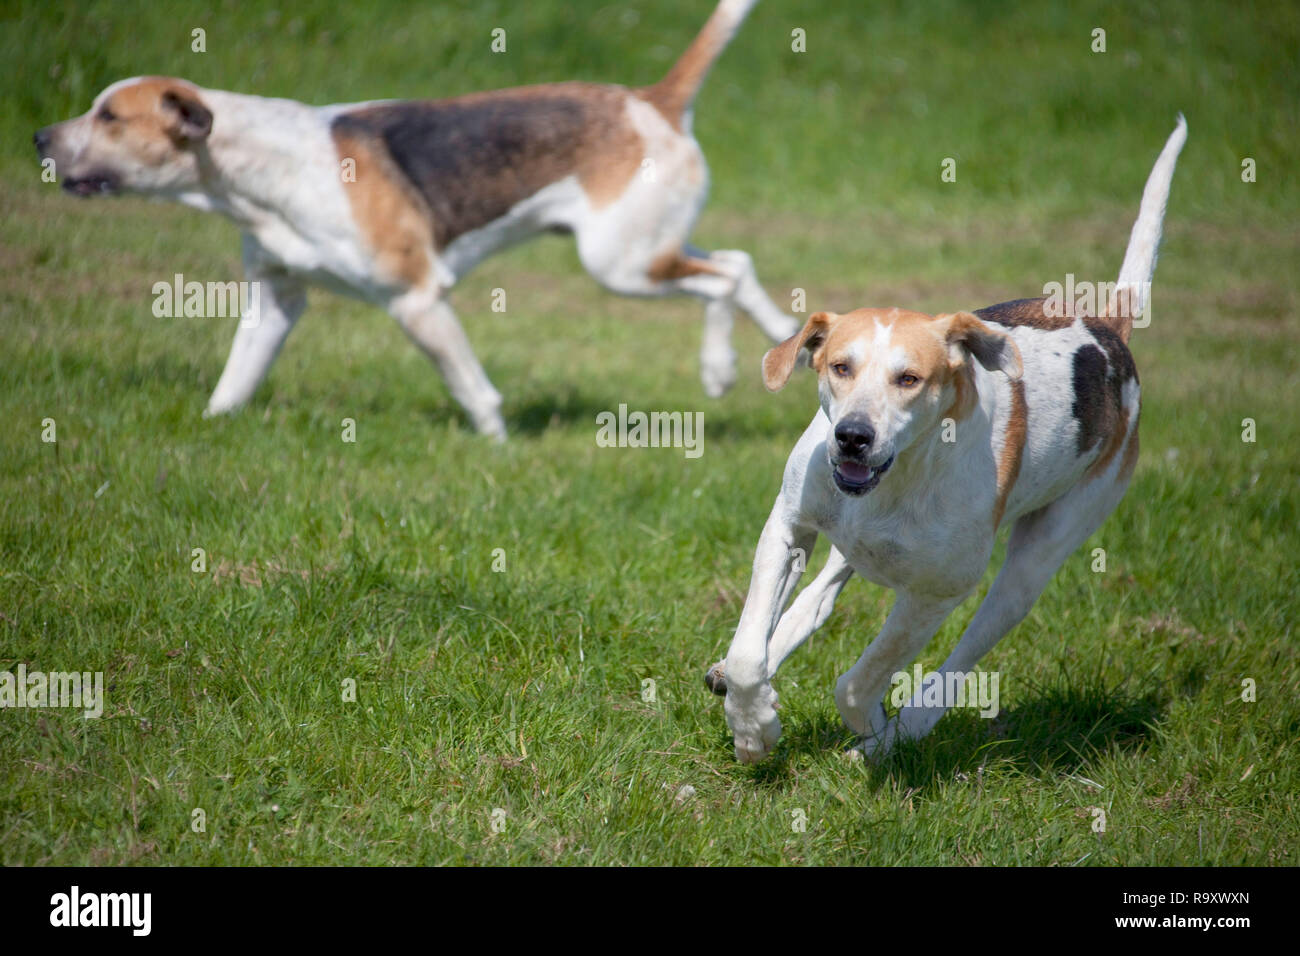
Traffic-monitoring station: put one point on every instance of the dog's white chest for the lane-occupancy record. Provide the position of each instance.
(930, 538)
(909, 550)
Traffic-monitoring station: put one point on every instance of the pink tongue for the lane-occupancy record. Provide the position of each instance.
(853, 471)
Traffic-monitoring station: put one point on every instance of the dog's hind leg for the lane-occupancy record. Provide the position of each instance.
(723, 280)
(264, 325)
(777, 324)
(717, 357)
(1040, 543)
(431, 324)
(739, 288)
(678, 273)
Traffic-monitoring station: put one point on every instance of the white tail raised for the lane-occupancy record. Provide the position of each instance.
(1134, 285)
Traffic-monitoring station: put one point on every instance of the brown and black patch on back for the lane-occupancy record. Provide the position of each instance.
(1026, 312)
(388, 209)
(474, 157)
(1099, 373)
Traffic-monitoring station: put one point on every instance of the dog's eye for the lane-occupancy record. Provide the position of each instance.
(106, 114)
(907, 380)
(841, 369)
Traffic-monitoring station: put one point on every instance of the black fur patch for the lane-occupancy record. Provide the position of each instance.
(1121, 359)
(472, 158)
(1090, 395)
(1100, 372)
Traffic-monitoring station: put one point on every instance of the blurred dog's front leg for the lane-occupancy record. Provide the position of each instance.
(276, 302)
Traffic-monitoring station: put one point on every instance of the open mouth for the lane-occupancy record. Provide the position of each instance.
(856, 478)
(90, 186)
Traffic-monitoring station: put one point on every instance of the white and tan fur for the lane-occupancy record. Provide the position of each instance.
(433, 188)
(1045, 441)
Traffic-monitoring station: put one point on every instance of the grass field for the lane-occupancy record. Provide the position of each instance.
(520, 690)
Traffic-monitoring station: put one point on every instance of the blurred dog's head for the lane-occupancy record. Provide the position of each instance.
(141, 135)
(887, 376)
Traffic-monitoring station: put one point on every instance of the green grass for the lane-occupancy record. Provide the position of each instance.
(520, 690)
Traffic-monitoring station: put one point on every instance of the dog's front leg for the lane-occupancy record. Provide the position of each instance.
(751, 701)
(273, 307)
(717, 357)
(809, 611)
(431, 324)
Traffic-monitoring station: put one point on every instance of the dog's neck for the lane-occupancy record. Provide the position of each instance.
(252, 166)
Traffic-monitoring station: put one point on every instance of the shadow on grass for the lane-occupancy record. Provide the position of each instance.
(1063, 727)
(567, 406)
(570, 406)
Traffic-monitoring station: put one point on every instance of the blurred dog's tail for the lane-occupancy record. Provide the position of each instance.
(675, 93)
(1133, 290)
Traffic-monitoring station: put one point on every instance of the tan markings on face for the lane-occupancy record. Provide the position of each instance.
(390, 213)
(887, 343)
(1013, 449)
(139, 123)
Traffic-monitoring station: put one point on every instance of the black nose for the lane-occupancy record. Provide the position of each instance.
(41, 138)
(854, 437)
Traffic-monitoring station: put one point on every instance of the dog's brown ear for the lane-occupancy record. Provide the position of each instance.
(187, 119)
(779, 361)
(995, 350)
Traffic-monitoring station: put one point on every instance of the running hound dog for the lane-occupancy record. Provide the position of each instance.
(394, 202)
(934, 432)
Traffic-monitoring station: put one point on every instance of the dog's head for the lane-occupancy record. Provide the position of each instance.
(141, 135)
(887, 377)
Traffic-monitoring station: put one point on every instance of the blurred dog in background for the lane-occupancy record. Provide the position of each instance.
(395, 201)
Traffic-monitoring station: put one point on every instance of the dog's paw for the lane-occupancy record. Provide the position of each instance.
(878, 745)
(219, 407)
(490, 426)
(864, 716)
(784, 331)
(715, 678)
(753, 723)
(718, 373)
(915, 722)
